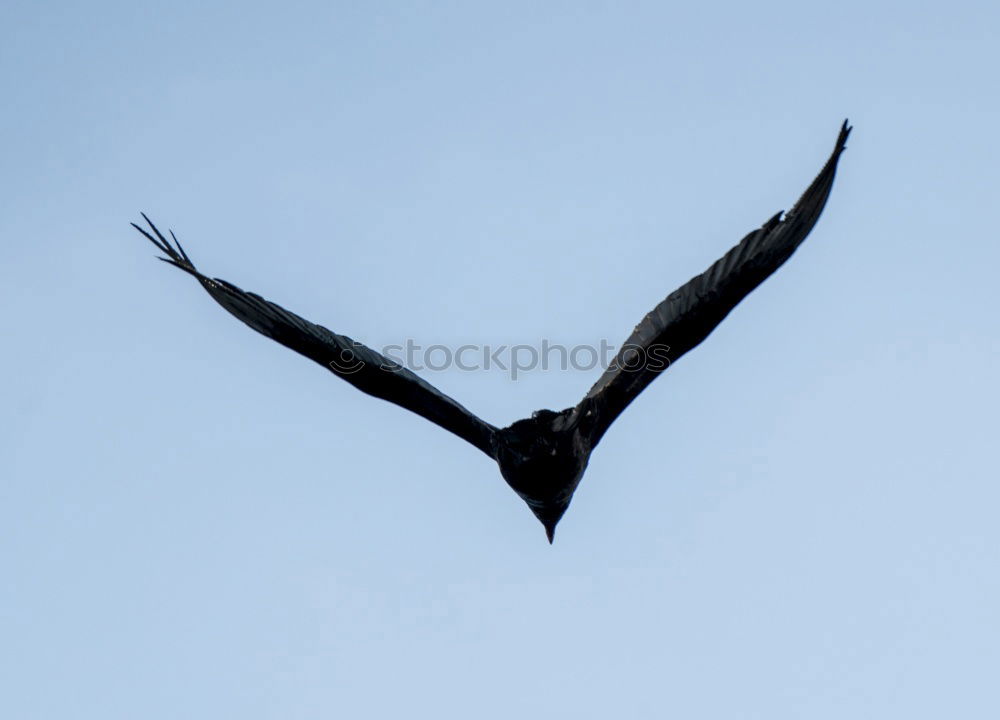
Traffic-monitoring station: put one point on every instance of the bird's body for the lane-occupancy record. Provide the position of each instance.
(543, 457)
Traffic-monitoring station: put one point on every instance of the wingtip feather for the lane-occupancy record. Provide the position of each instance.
(149, 237)
(845, 132)
(179, 246)
(176, 255)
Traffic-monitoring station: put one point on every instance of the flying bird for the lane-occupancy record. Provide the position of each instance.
(543, 457)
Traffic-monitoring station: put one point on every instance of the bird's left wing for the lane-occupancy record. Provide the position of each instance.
(691, 312)
(366, 369)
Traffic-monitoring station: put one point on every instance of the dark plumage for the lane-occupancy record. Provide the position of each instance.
(543, 457)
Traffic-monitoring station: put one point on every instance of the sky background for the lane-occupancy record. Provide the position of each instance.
(798, 520)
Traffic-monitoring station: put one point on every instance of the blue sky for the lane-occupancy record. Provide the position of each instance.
(797, 520)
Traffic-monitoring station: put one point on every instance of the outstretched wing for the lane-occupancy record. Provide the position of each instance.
(692, 311)
(361, 366)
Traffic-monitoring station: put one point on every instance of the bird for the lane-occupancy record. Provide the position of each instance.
(542, 457)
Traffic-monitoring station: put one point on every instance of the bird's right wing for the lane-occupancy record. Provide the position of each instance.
(691, 312)
(366, 369)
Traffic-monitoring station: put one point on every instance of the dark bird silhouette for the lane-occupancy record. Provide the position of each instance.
(544, 456)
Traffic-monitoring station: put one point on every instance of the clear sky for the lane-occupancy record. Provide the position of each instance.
(798, 520)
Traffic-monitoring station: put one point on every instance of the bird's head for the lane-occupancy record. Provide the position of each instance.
(550, 515)
(542, 458)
